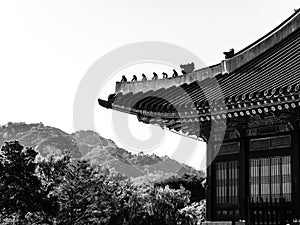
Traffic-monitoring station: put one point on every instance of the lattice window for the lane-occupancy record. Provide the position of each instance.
(270, 143)
(283, 141)
(260, 144)
(227, 182)
(271, 178)
(227, 148)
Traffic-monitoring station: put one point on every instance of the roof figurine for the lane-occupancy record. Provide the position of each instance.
(124, 79)
(183, 72)
(144, 78)
(188, 68)
(175, 74)
(165, 75)
(229, 54)
(134, 78)
(155, 76)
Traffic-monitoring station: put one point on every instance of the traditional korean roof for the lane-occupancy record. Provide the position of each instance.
(260, 79)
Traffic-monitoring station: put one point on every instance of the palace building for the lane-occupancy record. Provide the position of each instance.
(247, 110)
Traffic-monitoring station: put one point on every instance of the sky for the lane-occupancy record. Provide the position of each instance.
(47, 47)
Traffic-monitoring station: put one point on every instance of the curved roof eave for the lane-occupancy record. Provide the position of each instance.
(279, 33)
(227, 66)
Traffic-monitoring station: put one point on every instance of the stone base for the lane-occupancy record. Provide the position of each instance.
(217, 223)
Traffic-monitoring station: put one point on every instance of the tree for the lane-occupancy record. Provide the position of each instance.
(86, 195)
(193, 183)
(21, 189)
(58, 190)
(193, 214)
(146, 205)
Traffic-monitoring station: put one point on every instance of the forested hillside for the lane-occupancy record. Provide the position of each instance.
(90, 146)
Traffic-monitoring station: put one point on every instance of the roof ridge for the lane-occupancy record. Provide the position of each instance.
(269, 33)
(272, 38)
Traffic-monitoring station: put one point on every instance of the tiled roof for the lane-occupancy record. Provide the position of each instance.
(267, 83)
(263, 78)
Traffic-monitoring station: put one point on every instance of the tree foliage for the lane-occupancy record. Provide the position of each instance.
(22, 191)
(193, 183)
(193, 214)
(61, 191)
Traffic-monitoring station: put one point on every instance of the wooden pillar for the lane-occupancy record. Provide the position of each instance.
(244, 177)
(295, 174)
(209, 184)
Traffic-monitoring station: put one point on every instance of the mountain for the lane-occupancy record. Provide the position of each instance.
(45, 140)
(91, 146)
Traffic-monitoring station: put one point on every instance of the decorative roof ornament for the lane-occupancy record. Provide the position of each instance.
(229, 54)
(188, 68)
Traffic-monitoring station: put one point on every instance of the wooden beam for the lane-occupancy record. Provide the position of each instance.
(244, 177)
(209, 185)
(296, 174)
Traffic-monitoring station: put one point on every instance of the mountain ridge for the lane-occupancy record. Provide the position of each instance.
(89, 145)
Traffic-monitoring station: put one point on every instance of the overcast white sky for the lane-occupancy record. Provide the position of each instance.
(46, 47)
